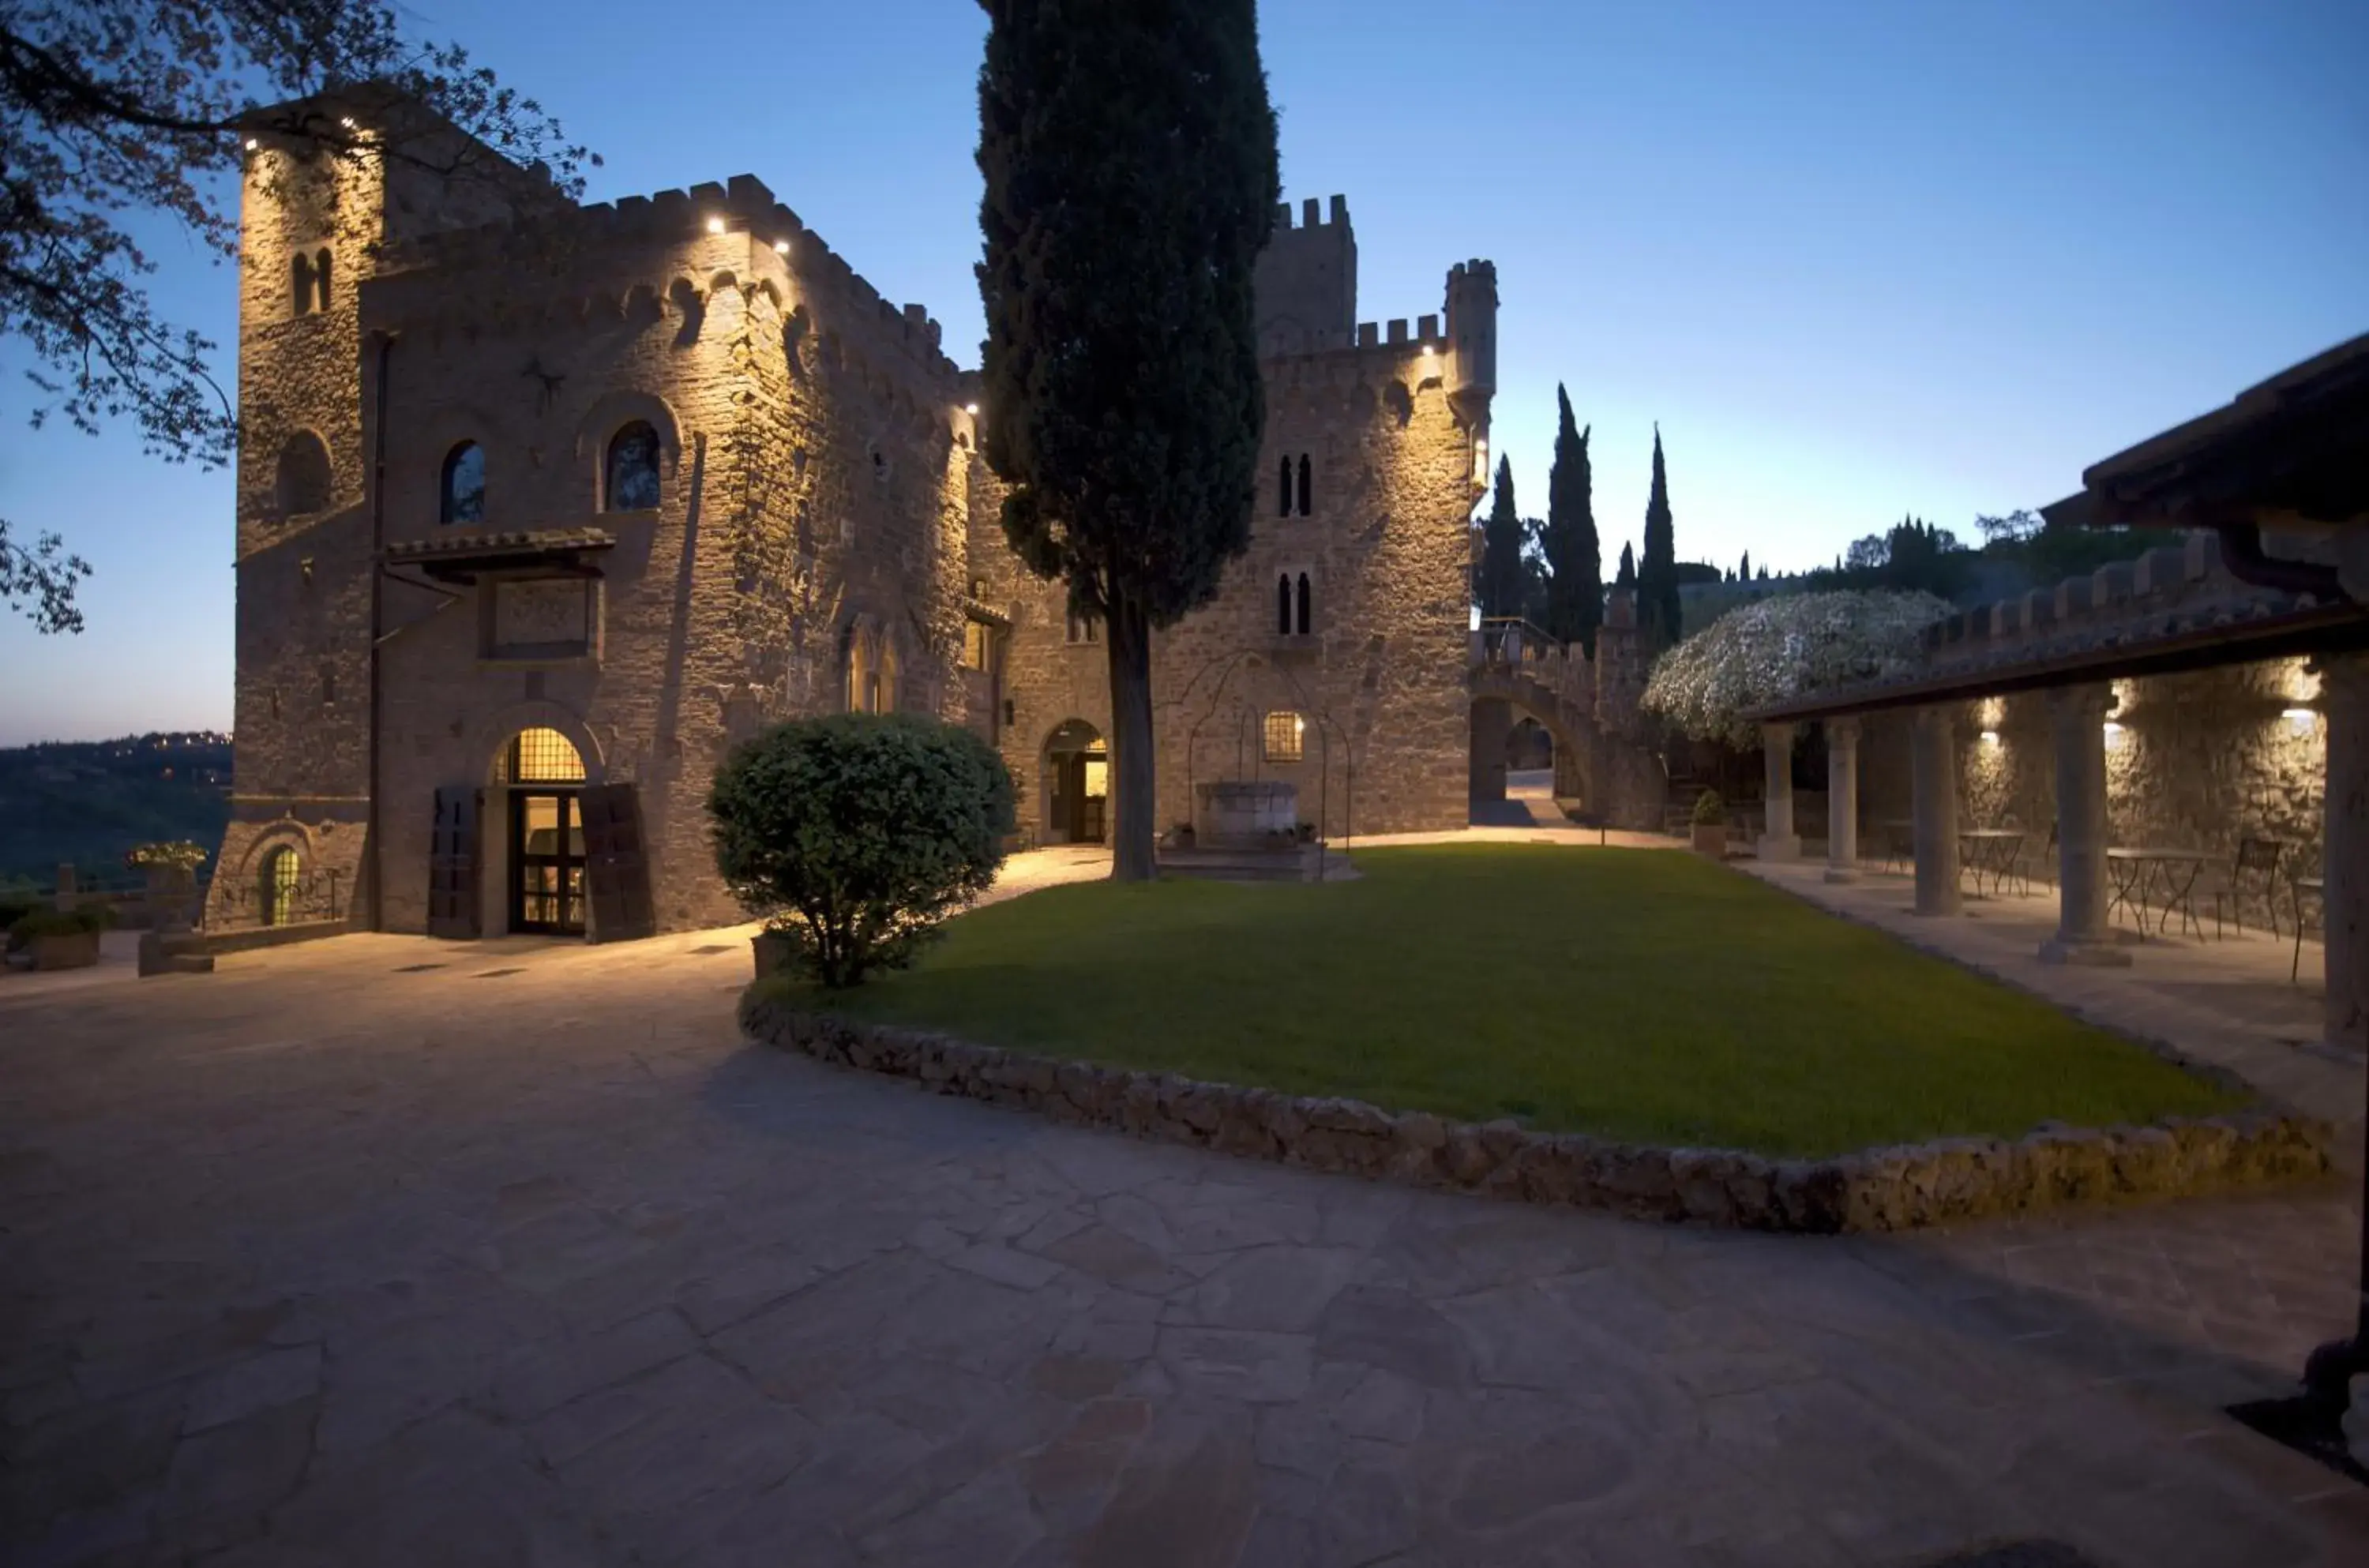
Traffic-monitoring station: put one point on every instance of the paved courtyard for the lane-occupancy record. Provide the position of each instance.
(383, 1250)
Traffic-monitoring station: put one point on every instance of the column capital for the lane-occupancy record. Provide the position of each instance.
(2093, 701)
(1776, 732)
(1844, 728)
(2343, 677)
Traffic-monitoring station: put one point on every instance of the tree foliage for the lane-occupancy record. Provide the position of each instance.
(858, 834)
(1779, 648)
(1129, 152)
(1627, 573)
(1503, 538)
(118, 115)
(1658, 614)
(1574, 556)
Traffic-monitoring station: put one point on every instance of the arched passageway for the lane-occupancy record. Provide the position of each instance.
(1076, 771)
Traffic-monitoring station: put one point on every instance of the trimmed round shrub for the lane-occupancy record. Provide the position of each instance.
(857, 834)
(1711, 812)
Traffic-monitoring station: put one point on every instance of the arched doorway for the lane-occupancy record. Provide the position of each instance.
(544, 883)
(277, 884)
(1077, 785)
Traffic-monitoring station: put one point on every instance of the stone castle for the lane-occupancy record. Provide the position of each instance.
(543, 507)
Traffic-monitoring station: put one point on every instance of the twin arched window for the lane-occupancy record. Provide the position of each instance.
(461, 494)
(1291, 605)
(630, 473)
(1287, 493)
(308, 276)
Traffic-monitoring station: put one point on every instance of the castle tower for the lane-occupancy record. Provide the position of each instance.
(1307, 281)
(1473, 356)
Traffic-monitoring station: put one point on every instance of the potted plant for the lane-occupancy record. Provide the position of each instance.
(62, 939)
(777, 946)
(170, 867)
(1710, 825)
(1308, 832)
(1182, 836)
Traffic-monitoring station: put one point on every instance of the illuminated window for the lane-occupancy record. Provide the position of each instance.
(542, 756)
(859, 673)
(1284, 736)
(462, 492)
(1084, 628)
(281, 870)
(632, 470)
(884, 700)
(975, 639)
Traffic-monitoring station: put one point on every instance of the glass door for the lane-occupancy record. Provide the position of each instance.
(546, 863)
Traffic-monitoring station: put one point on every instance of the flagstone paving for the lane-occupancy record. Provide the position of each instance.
(381, 1250)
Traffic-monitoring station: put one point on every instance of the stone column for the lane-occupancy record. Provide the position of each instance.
(1935, 775)
(2344, 850)
(1842, 800)
(2077, 720)
(1778, 839)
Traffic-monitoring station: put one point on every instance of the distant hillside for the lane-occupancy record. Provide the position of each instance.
(84, 803)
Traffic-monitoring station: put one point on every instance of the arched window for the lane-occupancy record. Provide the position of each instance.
(1283, 489)
(303, 481)
(276, 889)
(886, 700)
(461, 492)
(1283, 604)
(859, 671)
(300, 275)
(1306, 510)
(631, 473)
(321, 276)
(1303, 604)
(540, 755)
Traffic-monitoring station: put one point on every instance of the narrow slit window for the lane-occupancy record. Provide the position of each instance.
(1283, 489)
(1306, 473)
(321, 277)
(1283, 604)
(300, 269)
(1303, 604)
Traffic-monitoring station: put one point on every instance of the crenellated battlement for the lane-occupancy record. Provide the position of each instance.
(593, 240)
(1310, 217)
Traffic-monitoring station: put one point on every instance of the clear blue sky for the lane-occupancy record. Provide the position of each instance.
(1859, 259)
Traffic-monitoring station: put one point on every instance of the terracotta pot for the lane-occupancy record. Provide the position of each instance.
(773, 952)
(70, 950)
(1710, 839)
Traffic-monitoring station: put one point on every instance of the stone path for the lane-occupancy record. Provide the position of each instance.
(382, 1251)
(2227, 1001)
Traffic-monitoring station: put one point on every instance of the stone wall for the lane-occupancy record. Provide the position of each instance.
(2199, 761)
(1881, 1189)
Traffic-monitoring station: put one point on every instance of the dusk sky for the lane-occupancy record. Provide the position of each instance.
(1859, 261)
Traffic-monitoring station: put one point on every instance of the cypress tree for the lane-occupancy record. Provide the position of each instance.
(1501, 550)
(1628, 578)
(1743, 572)
(1657, 573)
(1129, 152)
(1575, 555)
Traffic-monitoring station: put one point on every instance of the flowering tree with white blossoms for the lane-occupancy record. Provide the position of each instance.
(1783, 648)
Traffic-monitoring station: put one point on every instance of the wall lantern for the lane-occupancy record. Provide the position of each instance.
(971, 408)
(2299, 718)
(715, 226)
(781, 247)
(1990, 737)
(252, 143)
(2113, 733)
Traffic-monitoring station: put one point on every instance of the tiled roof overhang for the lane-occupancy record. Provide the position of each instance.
(465, 557)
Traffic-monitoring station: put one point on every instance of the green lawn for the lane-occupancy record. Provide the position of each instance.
(1638, 994)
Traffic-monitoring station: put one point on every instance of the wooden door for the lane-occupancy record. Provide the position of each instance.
(452, 863)
(617, 869)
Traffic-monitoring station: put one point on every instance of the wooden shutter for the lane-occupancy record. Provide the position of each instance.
(452, 863)
(616, 871)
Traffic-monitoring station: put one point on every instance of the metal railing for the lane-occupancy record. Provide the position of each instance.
(313, 896)
(1509, 639)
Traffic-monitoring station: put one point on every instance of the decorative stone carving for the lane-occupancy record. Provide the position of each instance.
(543, 618)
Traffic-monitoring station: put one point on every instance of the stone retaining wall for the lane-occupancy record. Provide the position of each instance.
(1879, 1189)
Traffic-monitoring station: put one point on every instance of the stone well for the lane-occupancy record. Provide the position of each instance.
(1241, 813)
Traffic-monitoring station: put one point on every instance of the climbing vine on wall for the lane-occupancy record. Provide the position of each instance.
(1780, 649)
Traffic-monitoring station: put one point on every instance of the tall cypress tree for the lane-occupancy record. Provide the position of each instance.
(1628, 578)
(1129, 151)
(1501, 550)
(1574, 556)
(1657, 572)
